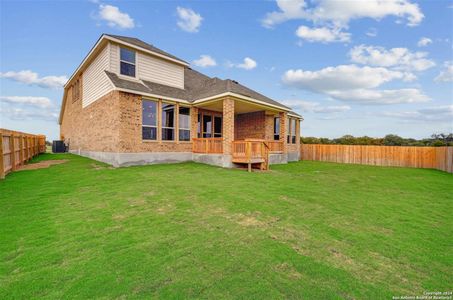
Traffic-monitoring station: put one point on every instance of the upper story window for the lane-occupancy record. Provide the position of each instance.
(127, 62)
(276, 129)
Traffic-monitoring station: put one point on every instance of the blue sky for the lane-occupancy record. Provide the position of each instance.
(349, 67)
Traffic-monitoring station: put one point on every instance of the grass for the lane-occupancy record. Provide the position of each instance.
(303, 230)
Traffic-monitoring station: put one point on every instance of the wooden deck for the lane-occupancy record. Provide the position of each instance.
(253, 152)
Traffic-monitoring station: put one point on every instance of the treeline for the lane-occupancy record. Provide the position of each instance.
(436, 140)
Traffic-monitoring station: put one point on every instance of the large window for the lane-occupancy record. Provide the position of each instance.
(168, 122)
(149, 120)
(293, 131)
(207, 126)
(127, 62)
(217, 126)
(184, 124)
(276, 129)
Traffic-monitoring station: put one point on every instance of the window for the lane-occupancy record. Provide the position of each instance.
(76, 90)
(217, 126)
(288, 137)
(168, 122)
(127, 62)
(184, 124)
(293, 131)
(276, 129)
(149, 120)
(207, 126)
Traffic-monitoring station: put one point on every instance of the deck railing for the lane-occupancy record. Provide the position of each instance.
(207, 145)
(275, 146)
(248, 149)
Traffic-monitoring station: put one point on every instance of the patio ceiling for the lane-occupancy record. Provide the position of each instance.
(240, 107)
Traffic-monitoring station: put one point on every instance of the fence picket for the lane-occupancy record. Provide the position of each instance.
(440, 158)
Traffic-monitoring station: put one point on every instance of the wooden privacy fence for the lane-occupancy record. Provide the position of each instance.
(16, 148)
(440, 158)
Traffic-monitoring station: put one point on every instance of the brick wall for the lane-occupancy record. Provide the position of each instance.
(228, 124)
(94, 128)
(131, 129)
(250, 125)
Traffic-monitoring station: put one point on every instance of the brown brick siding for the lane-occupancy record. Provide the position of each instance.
(94, 128)
(131, 129)
(228, 124)
(250, 125)
(113, 124)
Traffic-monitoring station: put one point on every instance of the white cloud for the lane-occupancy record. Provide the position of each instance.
(372, 32)
(247, 64)
(374, 96)
(355, 84)
(322, 34)
(32, 78)
(343, 77)
(397, 58)
(340, 13)
(21, 114)
(446, 75)
(114, 17)
(424, 41)
(189, 20)
(289, 10)
(315, 107)
(28, 100)
(442, 113)
(205, 61)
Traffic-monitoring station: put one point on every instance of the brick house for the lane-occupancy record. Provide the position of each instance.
(131, 103)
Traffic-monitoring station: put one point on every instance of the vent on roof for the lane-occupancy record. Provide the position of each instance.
(234, 81)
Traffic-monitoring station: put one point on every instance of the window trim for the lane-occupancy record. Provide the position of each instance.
(293, 121)
(179, 124)
(165, 127)
(127, 62)
(277, 133)
(151, 126)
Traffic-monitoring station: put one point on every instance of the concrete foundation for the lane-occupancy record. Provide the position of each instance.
(293, 156)
(277, 158)
(219, 160)
(147, 158)
(134, 159)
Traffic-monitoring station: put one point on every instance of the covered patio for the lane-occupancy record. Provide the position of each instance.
(243, 132)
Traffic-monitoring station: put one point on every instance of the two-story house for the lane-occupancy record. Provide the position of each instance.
(131, 103)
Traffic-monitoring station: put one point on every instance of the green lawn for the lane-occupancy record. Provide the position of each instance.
(303, 230)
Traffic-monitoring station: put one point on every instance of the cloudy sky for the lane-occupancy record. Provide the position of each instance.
(349, 67)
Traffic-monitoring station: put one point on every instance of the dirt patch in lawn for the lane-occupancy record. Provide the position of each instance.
(42, 164)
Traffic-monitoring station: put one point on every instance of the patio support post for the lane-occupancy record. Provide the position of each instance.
(228, 125)
(283, 122)
(193, 122)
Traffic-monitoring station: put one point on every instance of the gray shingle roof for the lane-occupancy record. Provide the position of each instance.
(196, 86)
(142, 44)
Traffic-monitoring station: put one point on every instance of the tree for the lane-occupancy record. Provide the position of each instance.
(393, 140)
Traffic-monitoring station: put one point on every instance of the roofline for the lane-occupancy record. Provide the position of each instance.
(178, 61)
(294, 115)
(240, 97)
(107, 37)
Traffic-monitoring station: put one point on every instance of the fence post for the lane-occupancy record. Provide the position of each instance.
(2, 166)
(12, 154)
(21, 150)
